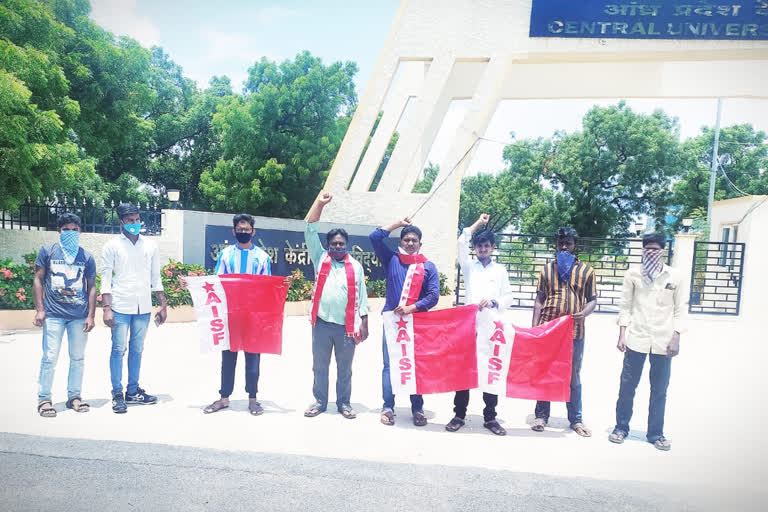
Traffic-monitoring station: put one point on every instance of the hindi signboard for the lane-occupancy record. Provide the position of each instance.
(661, 19)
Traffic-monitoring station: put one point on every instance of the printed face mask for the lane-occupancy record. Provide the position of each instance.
(70, 244)
(133, 229)
(565, 262)
(243, 238)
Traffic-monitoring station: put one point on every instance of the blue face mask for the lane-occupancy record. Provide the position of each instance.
(565, 262)
(133, 229)
(337, 254)
(70, 244)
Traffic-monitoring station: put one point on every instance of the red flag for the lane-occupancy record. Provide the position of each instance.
(432, 352)
(540, 367)
(239, 312)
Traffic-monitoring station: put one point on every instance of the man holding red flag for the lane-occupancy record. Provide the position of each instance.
(566, 287)
(339, 311)
(241, 258)
(413, 284)
(487, 285)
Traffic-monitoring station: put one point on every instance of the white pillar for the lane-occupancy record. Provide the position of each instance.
(682, 259)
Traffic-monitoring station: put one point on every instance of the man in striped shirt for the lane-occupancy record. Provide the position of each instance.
(566, 287)
(241, 258)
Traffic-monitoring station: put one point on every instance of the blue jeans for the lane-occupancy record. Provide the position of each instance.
(228, 365)
(632, 370)
(574, 404)
(53, 334)
(327, 336)
(134, 326)
(417, 401)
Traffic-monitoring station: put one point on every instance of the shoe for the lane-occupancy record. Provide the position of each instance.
(118, 404)
(140, 397)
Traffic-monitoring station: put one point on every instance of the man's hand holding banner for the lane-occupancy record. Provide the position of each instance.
(239, 312)
(462, 348)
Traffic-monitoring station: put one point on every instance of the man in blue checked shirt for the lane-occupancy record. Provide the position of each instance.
(242, 258)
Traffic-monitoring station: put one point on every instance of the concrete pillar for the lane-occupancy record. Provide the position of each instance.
(682, 259)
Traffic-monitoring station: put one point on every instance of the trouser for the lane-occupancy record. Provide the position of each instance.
(129, 331)
(461, 401)
(574, 404)
(53, 334)
(417, 401)
(228, 365)
(632, 370)
(327, 337)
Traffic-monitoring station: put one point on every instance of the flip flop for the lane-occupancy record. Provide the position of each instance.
(538, 425)
(582, 430)
(617, 437)
(387, 417)
(662, 444)
(254, 407)
(419, 419)
(80, 406)
(494, 427)
(215, 406)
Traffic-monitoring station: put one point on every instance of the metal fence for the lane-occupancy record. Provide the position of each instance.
(43, 215)
(716, 278)
(525, 255)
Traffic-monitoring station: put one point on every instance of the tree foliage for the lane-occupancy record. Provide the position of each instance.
(425, 183)
(280, 138)
(619, 166)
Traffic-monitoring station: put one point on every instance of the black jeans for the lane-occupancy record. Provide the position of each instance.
(574, 404)
(228, 364)
(461, 401)
(661, 366)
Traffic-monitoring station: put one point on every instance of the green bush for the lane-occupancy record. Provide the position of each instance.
(376, 288)
(300, 288)
(16, 283)
(171, 275)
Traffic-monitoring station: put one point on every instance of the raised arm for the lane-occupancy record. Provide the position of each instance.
(311, 238)
(465, 239)
(317, 207)
(377, 238)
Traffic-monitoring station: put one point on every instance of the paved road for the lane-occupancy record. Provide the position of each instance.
(84, 475)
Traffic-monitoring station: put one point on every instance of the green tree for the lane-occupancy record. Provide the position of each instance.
(279, 139)
(384, 161)
(746, 155)
(424, 184)
(619, 166)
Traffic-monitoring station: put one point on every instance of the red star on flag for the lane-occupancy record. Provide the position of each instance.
(401, 323)
(499, 325)
(208, 287)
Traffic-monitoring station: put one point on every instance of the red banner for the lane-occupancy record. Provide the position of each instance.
(240, 312)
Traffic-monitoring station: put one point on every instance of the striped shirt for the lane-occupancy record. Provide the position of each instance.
(234, 260)
(560, 298)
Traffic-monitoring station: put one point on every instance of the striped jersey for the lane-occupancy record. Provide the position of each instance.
(561, 298)
(234, 260)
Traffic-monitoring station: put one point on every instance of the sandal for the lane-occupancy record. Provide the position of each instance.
(455, 424)
(662, 444)
(46, 410)
(387, 417)
(582, 430)
(348, 412)
(313, 410)
(419, 419)
(215, 406)
(539, 424)
(77, 405)
(494, 427)
(254, 407)
(617, 437)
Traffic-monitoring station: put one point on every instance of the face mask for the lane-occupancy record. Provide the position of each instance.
(565, 261)
(337, 253)
(133, 229)
(70, 245)
(243, 238)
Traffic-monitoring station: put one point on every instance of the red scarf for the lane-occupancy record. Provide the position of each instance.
(350, 315)
(414, 278)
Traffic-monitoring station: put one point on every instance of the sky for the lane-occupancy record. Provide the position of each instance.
(225, 38)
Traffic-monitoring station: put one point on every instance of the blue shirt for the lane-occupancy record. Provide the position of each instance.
(66, 289)
(395, 273)
(234, 260)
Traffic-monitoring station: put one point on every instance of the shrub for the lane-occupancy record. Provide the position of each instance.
(300, 288)
(16, 283)
(171, 275)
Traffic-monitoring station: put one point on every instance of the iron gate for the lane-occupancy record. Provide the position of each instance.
(525, 255)
(716, 278)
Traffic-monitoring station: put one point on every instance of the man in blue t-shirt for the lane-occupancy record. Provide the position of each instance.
(65, 300)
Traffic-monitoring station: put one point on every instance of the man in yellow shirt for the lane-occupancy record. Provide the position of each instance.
(651, 315)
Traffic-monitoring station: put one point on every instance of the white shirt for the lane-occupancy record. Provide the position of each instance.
(489, 282)
(652, 312)
(130, 272)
